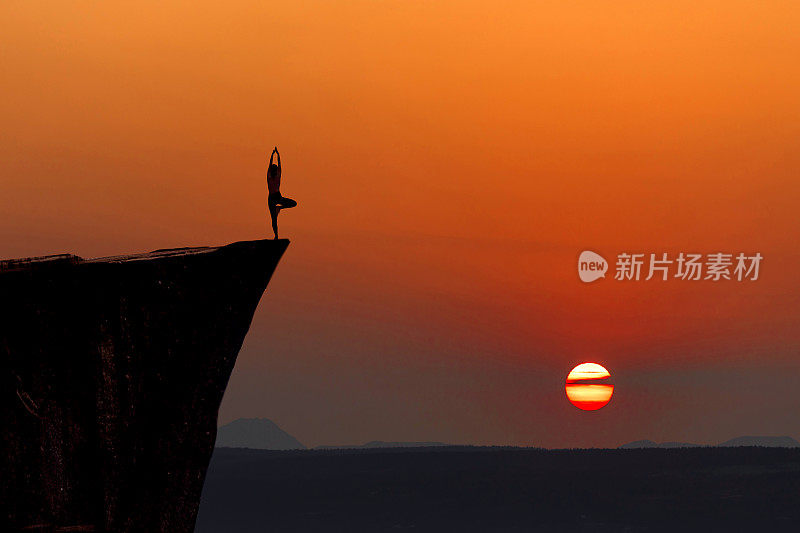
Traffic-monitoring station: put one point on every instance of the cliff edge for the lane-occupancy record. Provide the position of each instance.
(112, 371)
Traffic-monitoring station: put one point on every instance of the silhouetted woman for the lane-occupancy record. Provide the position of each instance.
(275, 201)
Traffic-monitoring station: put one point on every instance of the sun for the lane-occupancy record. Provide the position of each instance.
(587, 386)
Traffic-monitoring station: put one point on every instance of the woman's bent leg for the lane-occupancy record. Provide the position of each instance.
(286, 203)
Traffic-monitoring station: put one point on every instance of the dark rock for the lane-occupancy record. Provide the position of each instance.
(112, 371)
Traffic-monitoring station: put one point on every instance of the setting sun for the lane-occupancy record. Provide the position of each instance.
(586, 386)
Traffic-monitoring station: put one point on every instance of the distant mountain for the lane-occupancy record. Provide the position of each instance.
(639, 444)
(256, 433)
(383, 444)
(650, 444)
(767, 442)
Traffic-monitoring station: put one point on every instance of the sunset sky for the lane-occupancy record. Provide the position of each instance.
(451, 159)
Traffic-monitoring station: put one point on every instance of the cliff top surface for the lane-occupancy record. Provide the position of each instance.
(60, 259)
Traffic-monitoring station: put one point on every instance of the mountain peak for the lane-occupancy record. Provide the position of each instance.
(256, 433)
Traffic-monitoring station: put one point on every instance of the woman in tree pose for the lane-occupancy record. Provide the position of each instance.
(275, 201)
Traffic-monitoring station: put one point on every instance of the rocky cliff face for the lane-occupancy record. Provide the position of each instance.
(111, 375)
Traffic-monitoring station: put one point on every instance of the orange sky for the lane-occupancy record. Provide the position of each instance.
(450, 159)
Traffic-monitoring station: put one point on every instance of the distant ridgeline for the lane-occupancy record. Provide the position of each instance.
(375, 444)
(765, 442)
(112, 374)
(264, 434)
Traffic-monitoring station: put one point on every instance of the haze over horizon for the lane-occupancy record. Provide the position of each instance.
(450, 163)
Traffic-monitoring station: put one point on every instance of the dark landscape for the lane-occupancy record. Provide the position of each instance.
(502, 489)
